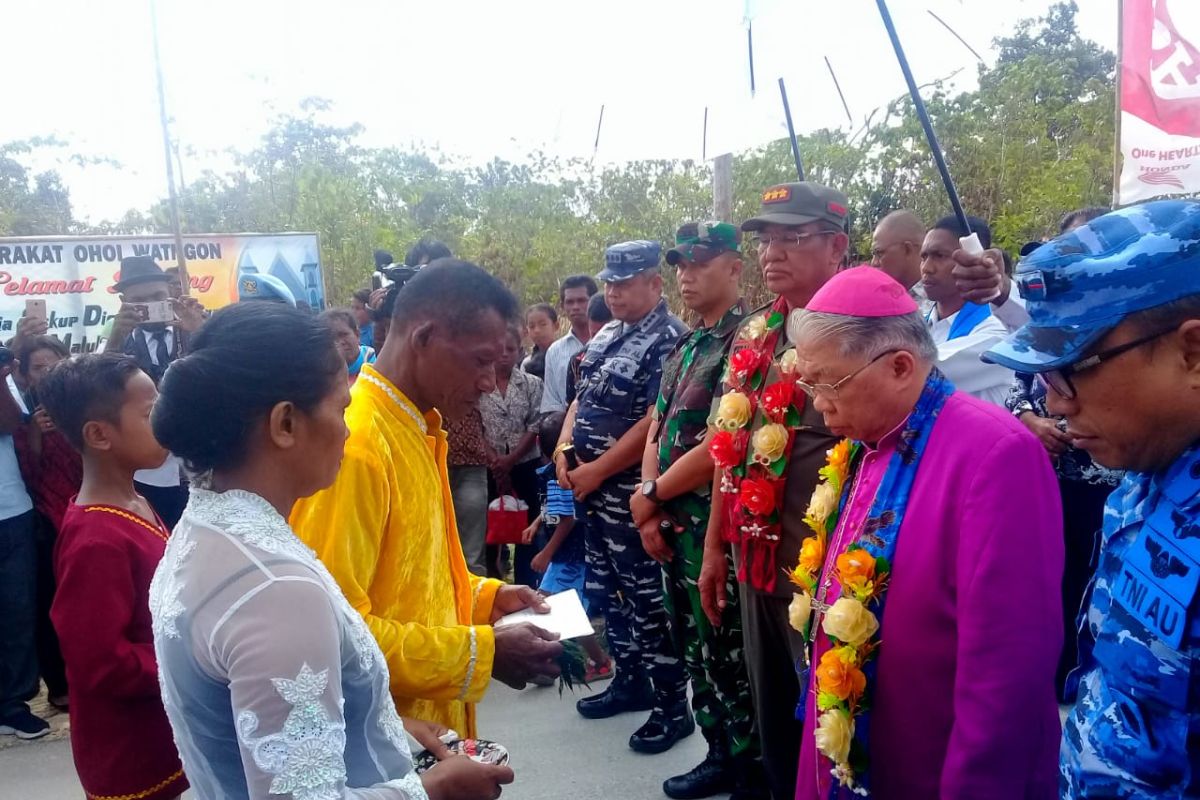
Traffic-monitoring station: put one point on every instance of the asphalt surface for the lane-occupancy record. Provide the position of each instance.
(556, 754)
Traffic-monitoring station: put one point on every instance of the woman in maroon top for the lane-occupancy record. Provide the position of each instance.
(109, 546)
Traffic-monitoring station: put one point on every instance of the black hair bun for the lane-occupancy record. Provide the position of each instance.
(246, 359)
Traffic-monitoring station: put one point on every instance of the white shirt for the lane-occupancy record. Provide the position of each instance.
(152, 342)
(1011, 312)
(164, 477)
(14, 499)
(558, 361)
(167, 475)
(959, 358)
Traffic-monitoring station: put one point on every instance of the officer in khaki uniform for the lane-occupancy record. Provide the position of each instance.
(606, 430)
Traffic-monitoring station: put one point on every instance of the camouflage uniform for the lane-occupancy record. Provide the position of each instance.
(619, 380)
(1135, 730)
(713, 656)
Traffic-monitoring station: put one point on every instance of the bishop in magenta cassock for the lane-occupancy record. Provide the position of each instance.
(929, 590)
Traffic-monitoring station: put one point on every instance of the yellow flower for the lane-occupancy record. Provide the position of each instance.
(823, 503)
(835, 730)
(769, 443)
(799, 611)
(755, 329)
(733, 411)
(812, 555)
(827, 700)
(846, 654)
(789, 362)
(839, 458)
(850, 621)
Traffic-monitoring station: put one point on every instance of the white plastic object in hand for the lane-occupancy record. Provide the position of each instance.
(972, 246)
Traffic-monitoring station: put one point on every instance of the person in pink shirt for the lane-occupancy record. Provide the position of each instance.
(928, 591)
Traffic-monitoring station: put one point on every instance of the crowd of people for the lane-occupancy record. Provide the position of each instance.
(261, 577)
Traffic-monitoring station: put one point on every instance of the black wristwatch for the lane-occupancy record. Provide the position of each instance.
(650, 491)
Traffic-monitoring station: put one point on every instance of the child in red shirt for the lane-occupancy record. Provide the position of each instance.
(108, 548)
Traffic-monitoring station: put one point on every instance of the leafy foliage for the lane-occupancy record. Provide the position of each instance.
(1034, 140)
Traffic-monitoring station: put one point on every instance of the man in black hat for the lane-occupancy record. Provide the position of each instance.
(154, 345)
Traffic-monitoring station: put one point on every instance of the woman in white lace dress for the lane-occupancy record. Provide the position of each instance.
(272, 683)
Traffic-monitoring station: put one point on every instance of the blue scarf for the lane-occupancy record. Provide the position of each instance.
(968, 319)
(881, 530)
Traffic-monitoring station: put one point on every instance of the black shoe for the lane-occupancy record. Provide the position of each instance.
(750, 780)
(711, 776)
(663, 730)
(618, 698)
(24, 725)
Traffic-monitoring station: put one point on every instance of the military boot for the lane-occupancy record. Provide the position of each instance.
(713, 775)
(621, 695)
(664, 728)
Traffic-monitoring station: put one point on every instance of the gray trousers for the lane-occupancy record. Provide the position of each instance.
(469, 489)
(772, 650)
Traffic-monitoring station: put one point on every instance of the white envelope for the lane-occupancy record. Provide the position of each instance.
(566, 618)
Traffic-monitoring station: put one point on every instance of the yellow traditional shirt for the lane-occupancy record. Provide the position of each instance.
(386, 530)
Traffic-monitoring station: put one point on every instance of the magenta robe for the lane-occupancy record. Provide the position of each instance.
(964, 703)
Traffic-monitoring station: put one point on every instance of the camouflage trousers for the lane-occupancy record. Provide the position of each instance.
(714, 657)
(627, 584)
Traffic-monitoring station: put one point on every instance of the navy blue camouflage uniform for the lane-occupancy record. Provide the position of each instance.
(619, 383)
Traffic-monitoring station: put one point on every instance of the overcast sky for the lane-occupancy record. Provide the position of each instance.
(476, 78)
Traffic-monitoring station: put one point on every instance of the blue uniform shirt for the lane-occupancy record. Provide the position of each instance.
(619, 379)
(1135, 729)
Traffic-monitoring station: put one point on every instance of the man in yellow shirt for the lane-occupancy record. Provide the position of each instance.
(386, 527)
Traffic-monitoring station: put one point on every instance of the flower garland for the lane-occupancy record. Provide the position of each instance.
(852, 623)
(756, 424)
(849, 623)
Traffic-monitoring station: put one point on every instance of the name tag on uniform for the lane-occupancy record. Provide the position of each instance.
(1150, 605)
(1165, 560)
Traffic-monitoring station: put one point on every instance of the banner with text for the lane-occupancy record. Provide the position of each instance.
(1160, 99)
(75, 275)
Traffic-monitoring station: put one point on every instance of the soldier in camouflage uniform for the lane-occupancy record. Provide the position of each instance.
(606, 429)
(671, 510)
(1126, 288)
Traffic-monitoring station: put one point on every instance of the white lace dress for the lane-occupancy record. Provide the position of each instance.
(273, 684)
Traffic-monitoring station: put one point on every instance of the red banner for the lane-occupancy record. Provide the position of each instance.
(1160, 99)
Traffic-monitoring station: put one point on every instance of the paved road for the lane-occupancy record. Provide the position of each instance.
(557, 755)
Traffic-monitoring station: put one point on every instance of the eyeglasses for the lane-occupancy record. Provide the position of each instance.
(788, 239)
(1060, 379)
(829, 391)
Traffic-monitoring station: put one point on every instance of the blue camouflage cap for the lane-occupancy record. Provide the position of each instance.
(623, 261)
(256, 286)
(1081, 285)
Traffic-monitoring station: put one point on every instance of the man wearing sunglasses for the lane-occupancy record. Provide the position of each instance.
(1114, 334)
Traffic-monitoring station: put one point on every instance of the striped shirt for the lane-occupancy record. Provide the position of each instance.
(559, 502)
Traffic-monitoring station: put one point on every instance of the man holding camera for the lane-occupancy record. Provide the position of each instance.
(153, 327)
